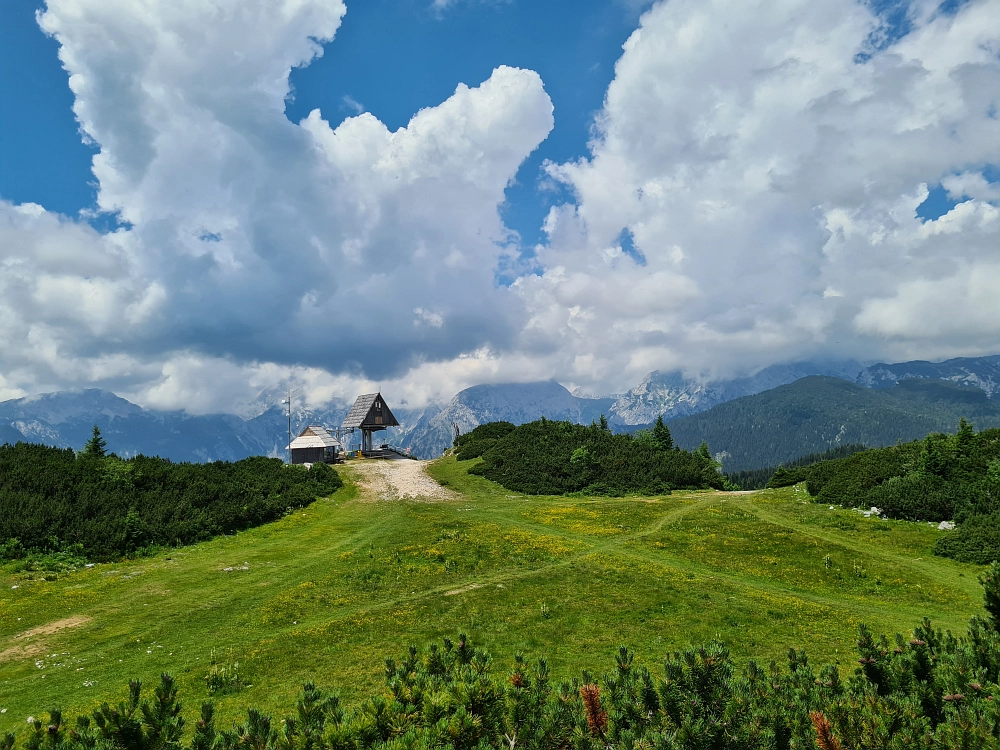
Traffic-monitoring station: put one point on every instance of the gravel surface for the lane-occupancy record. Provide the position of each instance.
(397, 480)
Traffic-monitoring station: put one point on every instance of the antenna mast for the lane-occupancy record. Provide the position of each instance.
(288, 409)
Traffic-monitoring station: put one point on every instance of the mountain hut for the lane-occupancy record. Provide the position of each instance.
(315, 445)
(369, 414)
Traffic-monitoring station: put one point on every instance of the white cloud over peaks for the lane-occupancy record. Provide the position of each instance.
(66, 292)
(750, 196)
(254, 241)
(769, 176)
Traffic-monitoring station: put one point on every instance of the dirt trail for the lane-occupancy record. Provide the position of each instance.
(25, 650)
(54, 627)
(398, 480)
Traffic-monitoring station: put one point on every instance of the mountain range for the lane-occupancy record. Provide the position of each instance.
(67, 418)
(818, 413)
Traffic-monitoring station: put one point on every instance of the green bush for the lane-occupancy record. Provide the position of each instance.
(976, 540)
(475, 443)
(938, 478)
(789, 473)
(555, 458)
(53, 502)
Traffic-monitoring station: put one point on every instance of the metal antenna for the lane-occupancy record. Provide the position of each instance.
(287, 403)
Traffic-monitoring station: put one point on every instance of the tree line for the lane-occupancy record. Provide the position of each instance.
(942, 477)
(757, 479)
(814, 414)
(553, 458)
(105, 507)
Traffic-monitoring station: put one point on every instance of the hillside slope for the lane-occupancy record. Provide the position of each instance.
(817, 413)
(318, 595)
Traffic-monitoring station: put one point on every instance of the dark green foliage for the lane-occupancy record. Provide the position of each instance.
(475, 443)
(555, 458)
(97, 446)
(52, 502)
(814, 414)
(976, 540)
(938, 478)
(658, 437)
(932, 690)
(661, 435)
(990, 581)
(789, 473)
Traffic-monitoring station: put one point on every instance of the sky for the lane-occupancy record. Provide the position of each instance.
(204, 201)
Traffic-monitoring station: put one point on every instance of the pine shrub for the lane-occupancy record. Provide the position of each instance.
(555, 458)
(54, 502)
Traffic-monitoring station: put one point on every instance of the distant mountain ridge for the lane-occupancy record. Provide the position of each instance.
(66, 418)
(817, 413)
(672, 395)
(511, 402)
(980, 372)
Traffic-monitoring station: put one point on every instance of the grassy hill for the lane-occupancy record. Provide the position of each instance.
(324, 593)
(814, 414)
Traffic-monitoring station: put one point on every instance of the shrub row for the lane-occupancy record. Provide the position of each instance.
(791, 472)
(52, 499)
(555, 458)
(939, 478)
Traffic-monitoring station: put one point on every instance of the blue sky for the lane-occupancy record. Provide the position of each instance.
(489, 191)
(390, 57)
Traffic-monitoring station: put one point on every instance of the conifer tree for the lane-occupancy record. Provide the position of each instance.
(97, 445)
(604, 424)
(964, 436)
(661, 435)
(704, 451)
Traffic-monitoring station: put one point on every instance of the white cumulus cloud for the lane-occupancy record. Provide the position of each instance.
(749, 196)
(250, 238)
(767, 161)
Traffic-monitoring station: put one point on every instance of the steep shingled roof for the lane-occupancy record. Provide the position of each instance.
(358, 415)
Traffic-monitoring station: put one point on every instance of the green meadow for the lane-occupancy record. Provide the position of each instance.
(326, 593)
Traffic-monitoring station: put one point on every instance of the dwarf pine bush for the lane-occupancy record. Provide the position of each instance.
(58, 507)
(555, 458)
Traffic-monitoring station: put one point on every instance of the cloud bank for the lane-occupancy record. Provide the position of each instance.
(750, 196)
(767, 172)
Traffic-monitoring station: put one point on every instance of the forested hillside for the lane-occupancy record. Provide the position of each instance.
(103, 507)
(938, 478)
(814, 414)
(554, 458)
(758, 479)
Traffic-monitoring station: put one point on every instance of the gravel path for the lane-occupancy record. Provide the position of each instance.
(398, 480)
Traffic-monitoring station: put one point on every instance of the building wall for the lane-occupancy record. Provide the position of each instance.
(307, 455)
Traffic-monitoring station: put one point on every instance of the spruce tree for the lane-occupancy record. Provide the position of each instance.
(704, 451)
(661, 435)
(97, 445)
(604, 424)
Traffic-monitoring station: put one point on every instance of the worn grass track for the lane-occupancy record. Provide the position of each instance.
(328, 592)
